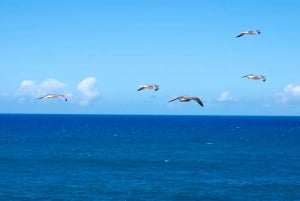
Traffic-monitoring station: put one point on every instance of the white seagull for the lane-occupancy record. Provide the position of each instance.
(148, 86)
(250, 32)
(255, 77)
(54, 96)
(187, 99)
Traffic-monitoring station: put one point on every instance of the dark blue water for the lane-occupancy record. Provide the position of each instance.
(103, 157)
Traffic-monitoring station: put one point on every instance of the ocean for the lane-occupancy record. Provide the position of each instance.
(149, 157)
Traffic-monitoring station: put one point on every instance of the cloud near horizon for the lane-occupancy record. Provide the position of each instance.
(87, 88)
(290, 92)
(225, 96)
(34, 89)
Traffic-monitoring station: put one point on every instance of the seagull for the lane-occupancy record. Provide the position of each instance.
(148, 86)
(255, 77)
(54, 96)
(187, 99)
(250, 32)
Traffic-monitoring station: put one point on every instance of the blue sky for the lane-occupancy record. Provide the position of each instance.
(99, 52)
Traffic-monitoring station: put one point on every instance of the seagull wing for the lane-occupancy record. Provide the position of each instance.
(141, 88)
(197, 100)
(175, 99)
(43, 96)
(156, 87)
(241, 34)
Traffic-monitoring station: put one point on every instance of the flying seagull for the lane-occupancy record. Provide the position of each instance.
(255, 77)
(54, 96)
(187, 99)
(250, 32)
(148, 86)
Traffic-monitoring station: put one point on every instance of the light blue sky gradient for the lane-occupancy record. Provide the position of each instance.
(99, 52)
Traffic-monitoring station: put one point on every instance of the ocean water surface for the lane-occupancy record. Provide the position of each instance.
(140, 157)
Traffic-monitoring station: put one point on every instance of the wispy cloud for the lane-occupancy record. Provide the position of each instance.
(290, 92)
(226, 96)
(87, 88)
(34, 89)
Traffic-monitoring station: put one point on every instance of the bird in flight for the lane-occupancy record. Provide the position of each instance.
(54, 96)
(148, 86)
(255, 77)
(250, 32)
(187, 99)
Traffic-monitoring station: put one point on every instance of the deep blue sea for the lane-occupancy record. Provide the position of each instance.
(120, 157)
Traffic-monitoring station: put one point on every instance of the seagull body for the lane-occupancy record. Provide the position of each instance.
(255, 77)
(250, 32)
(148, 86)
(187, 99)
(54, 96)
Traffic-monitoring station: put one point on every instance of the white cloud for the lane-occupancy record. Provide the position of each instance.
(32, 88)
(292, 89)
(291, 92)
(225, 96)
(88, 89)
(27, 84)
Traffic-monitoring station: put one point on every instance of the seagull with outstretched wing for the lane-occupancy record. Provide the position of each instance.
(149, 86)
(255, 77)
(52, 96)
(250, 32)
(187, 99)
